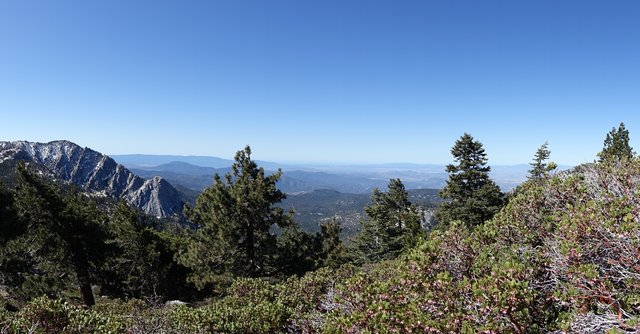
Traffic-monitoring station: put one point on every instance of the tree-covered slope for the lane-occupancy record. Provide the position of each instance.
(314, 208)
(562, 256)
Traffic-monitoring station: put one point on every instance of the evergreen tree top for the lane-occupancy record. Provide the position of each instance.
(616, 145)
(470, 195)
(539, 168)
(469, 154)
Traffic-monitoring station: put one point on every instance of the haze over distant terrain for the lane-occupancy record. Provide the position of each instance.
(195, 172)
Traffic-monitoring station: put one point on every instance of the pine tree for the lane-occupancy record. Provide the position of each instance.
(539, 167)
(333, 252)
(133, 270)
(14, 259)
(141, 264)
(298, 251)
(10, 225)
(616, 146)
(394, 224)
(234, 220)
(66, 229)
(469, 195)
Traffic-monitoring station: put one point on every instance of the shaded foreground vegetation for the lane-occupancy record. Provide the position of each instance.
(562, 255)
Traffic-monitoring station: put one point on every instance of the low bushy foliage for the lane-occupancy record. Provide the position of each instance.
(51, 316)
(562, 256)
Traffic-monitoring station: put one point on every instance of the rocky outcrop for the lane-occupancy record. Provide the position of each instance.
(95, 172)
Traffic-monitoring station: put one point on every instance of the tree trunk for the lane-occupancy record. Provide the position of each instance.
(84, 280)
(251, 255)
(87, 294)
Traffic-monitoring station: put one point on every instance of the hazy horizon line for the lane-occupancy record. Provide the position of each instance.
(334, 163)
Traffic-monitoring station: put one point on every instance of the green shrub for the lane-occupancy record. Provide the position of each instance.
(48, 316)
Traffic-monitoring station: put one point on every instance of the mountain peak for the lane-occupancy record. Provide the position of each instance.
(93, 171)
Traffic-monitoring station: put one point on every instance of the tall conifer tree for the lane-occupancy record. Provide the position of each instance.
(539, 167)
(470, 195)
(333, 251)
(393, 225)
(234, 218)
(616, 145)
(67, 229)
(10, 226)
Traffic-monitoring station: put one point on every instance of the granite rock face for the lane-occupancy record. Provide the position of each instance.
(96, 173)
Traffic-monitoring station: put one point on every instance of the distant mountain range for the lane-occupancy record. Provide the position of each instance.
(198, 178)
(318, 193)
(93, 172)
(152, 160)
(196, 173)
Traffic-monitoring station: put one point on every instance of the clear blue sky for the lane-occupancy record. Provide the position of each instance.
(325, 81)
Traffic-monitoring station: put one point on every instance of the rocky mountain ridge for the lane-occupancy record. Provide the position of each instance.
(95, 172)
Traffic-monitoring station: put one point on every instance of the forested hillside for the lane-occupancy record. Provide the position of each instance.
(558, 254)
(311, 209)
